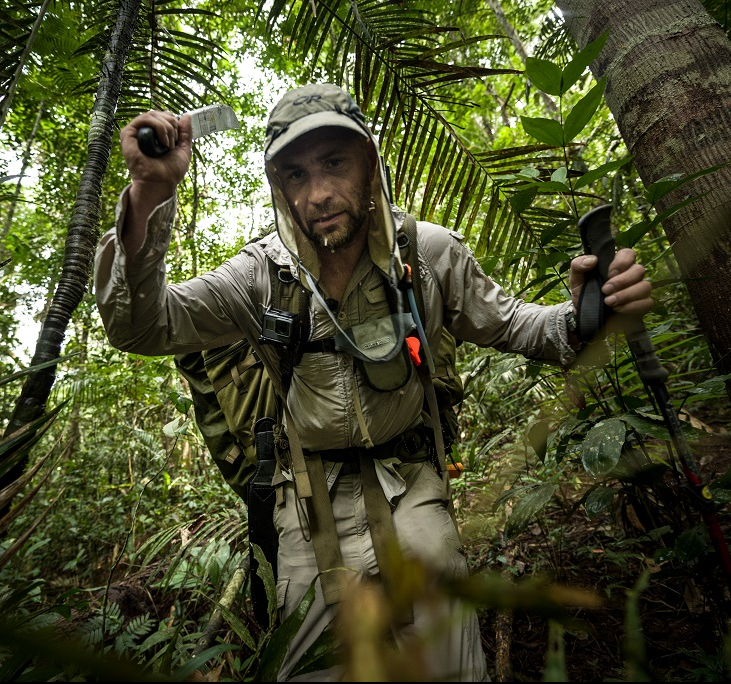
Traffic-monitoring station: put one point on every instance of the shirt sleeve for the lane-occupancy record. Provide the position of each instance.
(477, 309)
(141, 312)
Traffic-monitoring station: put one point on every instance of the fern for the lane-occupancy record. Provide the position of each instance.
(93, 631)
(137, 628)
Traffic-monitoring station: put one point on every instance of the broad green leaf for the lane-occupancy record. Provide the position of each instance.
(583, 111)
(196, 662)
(551, 259)
(522, 199)
(552, 187)
(528, 506)
(599, 500)
(647, 424)
(181, 402)
(602, 446)
(529, 172)
(537, 437)
(631, 236)
(575, 68)
(176, 426)
(559, 175)
(662, 187)
(241, 630)
(711, 386)
(323, 654)
(692, 544)
(544, 75)
(599, 172)
(544, 130)
(273, 656)
(549, 287)
(488, 263)
(552, 232)
(266, 573)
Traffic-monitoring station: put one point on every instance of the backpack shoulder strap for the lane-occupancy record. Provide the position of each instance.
(409, 254)
(289, 295)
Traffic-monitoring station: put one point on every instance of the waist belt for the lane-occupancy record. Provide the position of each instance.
(326, 345)
(408, 446)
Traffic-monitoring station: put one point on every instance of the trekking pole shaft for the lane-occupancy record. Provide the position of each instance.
(654, 375)
(597, 239)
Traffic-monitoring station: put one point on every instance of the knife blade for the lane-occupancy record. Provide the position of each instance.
(205, 120)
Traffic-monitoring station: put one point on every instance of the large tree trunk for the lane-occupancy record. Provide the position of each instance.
(668, 69)
(82, 235)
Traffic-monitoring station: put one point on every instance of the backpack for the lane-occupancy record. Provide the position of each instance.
(231, 390)
(233, 397)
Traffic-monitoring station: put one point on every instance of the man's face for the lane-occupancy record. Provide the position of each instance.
(326, 175)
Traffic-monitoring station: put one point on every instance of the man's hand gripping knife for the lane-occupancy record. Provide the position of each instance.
(154, 179)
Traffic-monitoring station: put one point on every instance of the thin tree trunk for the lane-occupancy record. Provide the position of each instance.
(83, 232)
(497, 9)
(668, 69)
(8, 221)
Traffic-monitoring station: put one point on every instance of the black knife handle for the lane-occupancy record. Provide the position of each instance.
(596, 237)
(149, 144)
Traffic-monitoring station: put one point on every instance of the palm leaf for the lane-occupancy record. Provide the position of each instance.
(401, 73)
(408, 75)
(19, 24)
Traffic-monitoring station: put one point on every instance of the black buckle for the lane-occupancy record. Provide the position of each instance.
(412, 442)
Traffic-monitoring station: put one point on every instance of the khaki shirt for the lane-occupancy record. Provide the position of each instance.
(144, 314)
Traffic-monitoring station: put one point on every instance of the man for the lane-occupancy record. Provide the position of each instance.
(336, 235)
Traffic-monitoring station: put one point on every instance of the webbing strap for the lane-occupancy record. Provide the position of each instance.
(380, 523)
(324, 536)
(302, 481)
(409, 229)
(435, 425)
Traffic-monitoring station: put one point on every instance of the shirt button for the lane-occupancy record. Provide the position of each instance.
(341, 315)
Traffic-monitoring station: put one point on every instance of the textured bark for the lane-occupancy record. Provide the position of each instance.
(215, 624)
(668, 69)
(83, 231)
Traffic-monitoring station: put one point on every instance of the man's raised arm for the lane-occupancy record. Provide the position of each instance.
(154, 179)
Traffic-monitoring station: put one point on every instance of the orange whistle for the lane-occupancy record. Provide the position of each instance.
(414, 347)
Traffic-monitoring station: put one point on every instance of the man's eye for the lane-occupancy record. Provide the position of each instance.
(334, 162)
(297, 174)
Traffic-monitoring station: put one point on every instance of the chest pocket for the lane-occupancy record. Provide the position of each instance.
(390, 375)
(373, 302)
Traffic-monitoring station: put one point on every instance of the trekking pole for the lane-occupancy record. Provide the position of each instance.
(597, 239)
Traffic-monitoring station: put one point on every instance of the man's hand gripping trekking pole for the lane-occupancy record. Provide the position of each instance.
(592, 317)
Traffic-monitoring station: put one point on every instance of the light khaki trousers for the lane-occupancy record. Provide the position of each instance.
(444, 637)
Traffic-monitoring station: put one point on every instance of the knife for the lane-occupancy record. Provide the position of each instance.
(206, 120)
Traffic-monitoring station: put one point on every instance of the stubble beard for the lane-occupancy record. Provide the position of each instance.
(356, 218)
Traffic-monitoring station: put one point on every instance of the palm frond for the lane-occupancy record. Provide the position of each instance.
(402, 65)
(19, 24)
(409, 74)
(169, 65)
